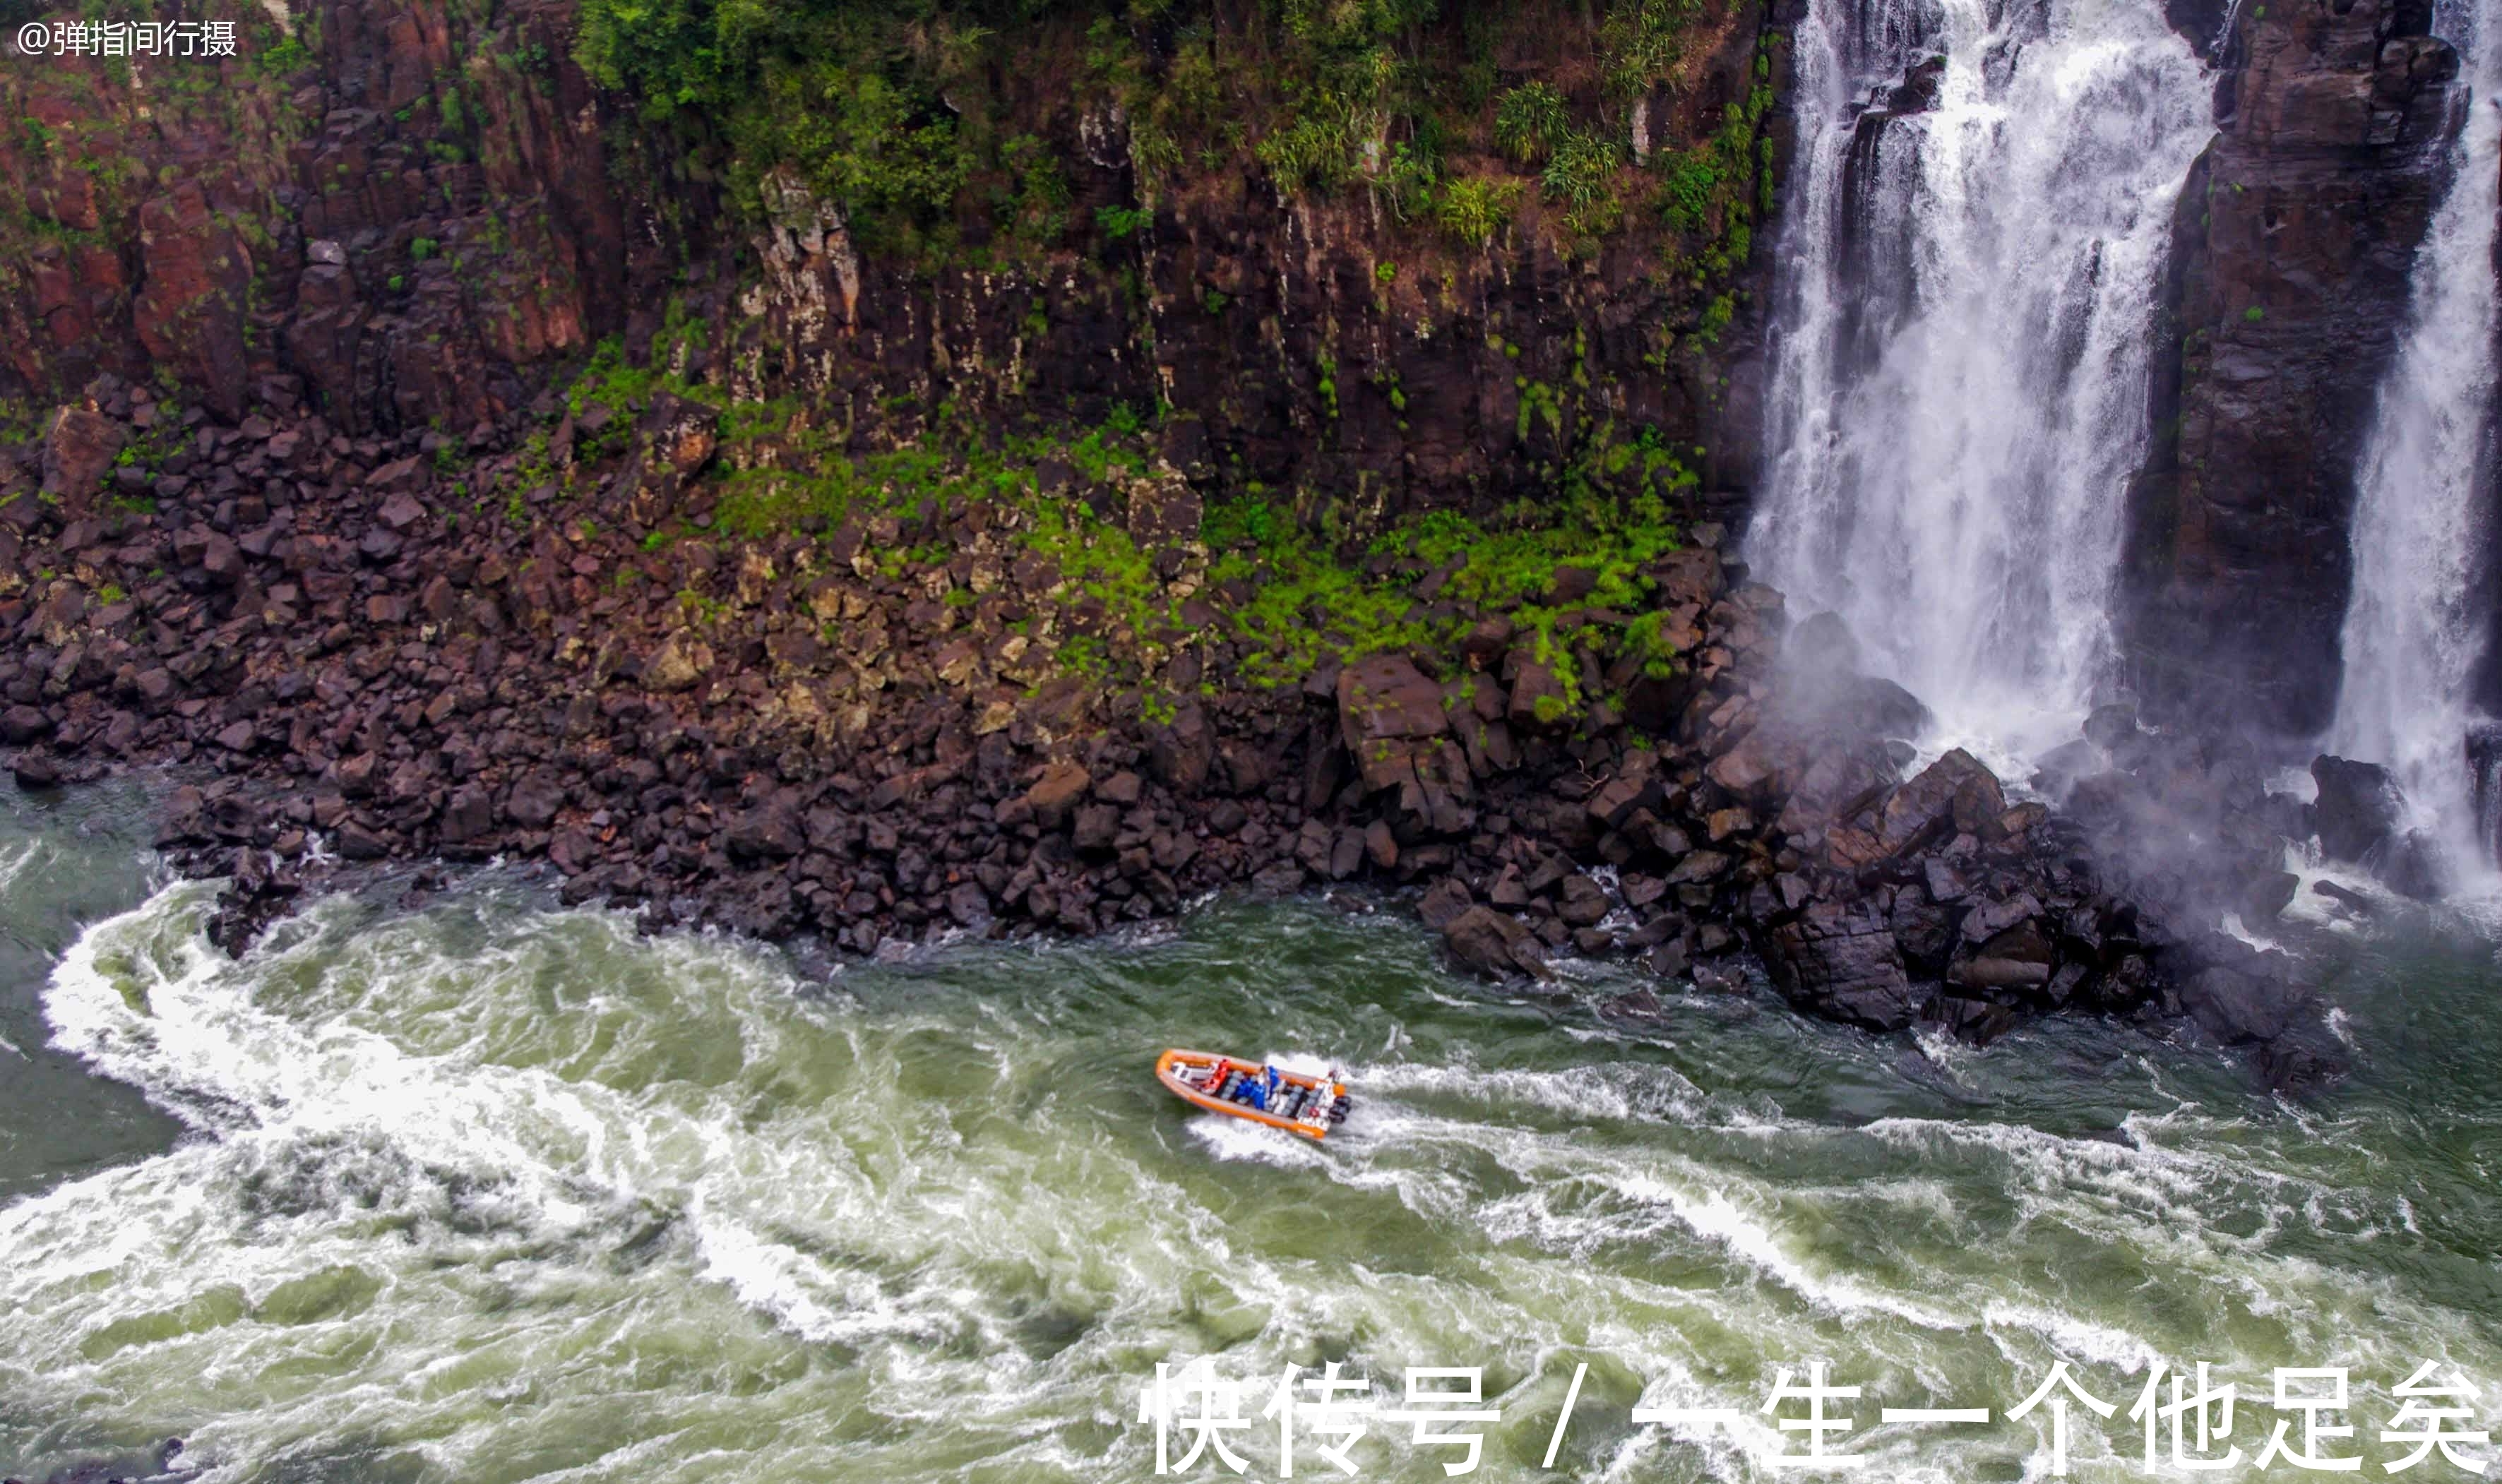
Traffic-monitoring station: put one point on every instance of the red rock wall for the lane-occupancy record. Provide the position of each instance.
(245, 229)
(437, 213)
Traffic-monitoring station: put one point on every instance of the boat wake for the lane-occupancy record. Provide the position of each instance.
(493, 1193)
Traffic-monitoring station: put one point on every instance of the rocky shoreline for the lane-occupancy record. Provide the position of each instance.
(849, 733)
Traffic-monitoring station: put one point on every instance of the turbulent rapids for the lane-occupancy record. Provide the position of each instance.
(484, 1190)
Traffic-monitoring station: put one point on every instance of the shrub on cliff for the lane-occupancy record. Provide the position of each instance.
(920, 117)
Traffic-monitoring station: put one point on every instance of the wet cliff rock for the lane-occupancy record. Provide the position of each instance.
(2292, 243)
(390, 216)
(413, 216)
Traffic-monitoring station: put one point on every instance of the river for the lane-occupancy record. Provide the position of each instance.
(480, 1189)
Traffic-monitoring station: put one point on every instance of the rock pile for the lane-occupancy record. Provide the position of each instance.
(350, 664)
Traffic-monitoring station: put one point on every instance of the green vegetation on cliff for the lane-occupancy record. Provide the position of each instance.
(944, 127)
(1135, 570)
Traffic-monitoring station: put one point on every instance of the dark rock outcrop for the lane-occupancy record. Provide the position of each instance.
(2359, 808)
(2292, 245)
(2362, 815)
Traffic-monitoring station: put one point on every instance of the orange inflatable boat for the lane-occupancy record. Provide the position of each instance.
(1295, 1101)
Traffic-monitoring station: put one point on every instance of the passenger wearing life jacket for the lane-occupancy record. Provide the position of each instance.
(1240, 1085)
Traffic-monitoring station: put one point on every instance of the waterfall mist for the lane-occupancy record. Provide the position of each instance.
(2415, 626)
(1969, 278)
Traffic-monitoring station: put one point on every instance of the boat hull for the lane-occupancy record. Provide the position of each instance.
(1186, 1074)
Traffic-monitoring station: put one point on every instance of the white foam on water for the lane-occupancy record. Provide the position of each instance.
(1948, 1053)
(1619, 1092)
(604, 1207)
(1301, 1062)
(14, 863)
(2235, 928)
(1716, 1218)
(810, 1299)
(1239, 1138)
(2068, 1336)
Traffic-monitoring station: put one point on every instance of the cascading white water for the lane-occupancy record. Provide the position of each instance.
(1959, 381)
(2414, 628)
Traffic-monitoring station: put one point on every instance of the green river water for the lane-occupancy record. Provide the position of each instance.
(483, 1191)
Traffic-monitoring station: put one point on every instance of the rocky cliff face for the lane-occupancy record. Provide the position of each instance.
(408, 218)
(393, 216)
(2292, 245)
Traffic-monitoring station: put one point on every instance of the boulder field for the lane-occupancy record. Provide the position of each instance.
(876, 732)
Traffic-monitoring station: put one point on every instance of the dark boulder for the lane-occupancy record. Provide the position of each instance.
(533, 802)
(1583, 901)
(2236, 1007)
(2056, 771)
(1390, 718)
(2483, 749)
(1444, 903)
(22, 725)
(2414, 863)
(2112, 727)
(1184, 750)
(1934, 804)
(2237, 993)
(2267, 894)
(1055, 794)
(2359, 807)
(1977, 1021)
(1842, 960)
(1883, 709)
(1385, 700)
(968, 905)
(2351, 900)
(2307, 1053)
(1095, 826)
(1537, 702)
(79, 449)
(257, 893)
(1494, 944)
(471, 813)
(1822, 692)
(772, 831)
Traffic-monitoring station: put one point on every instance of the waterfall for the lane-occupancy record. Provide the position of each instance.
(1969, 277)
(2415, 627)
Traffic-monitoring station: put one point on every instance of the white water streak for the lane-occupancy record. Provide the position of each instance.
(2414, 627)
(1959, 382)
(500, 1195)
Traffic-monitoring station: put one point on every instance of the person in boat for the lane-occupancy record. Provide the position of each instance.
(1309, 1105)
(1255, 1090)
